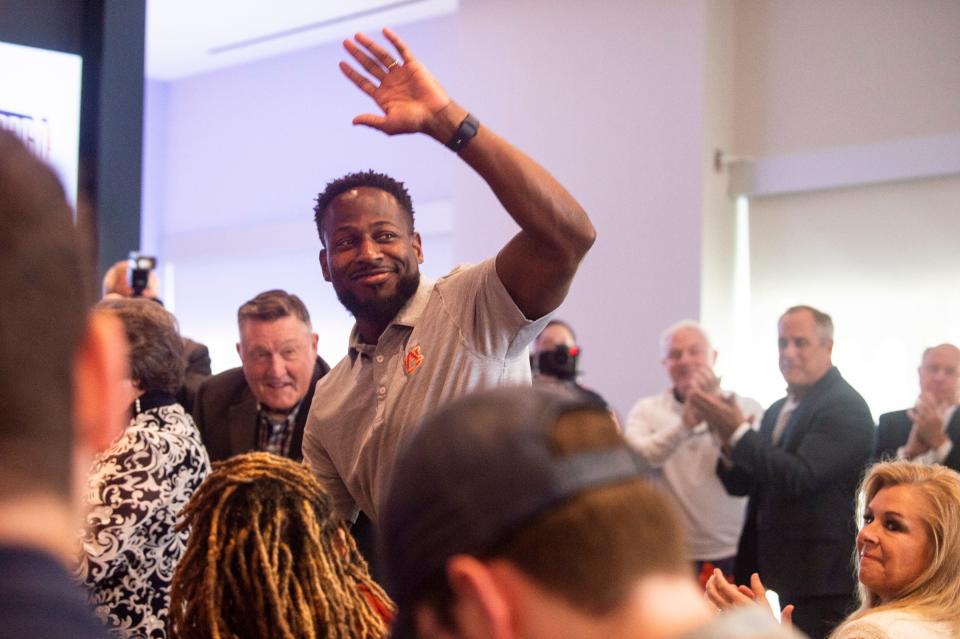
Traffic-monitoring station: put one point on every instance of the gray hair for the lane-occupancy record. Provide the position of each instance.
(668, 334)
(823, 322)
(272, 305)
(156, 348)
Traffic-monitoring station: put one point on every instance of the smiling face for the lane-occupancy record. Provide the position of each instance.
(687, 352)
(278, 358)
(371, 253)
(894, 544)
(805, 354)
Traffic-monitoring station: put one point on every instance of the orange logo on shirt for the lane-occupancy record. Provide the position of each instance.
(413, 359)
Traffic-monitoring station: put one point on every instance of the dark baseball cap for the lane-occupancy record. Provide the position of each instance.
(478, 470)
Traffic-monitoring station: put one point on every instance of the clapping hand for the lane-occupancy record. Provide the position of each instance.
(724, 595)
(722, 413)
(928, 421)
(703, 380)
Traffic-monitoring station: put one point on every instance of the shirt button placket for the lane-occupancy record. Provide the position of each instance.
(379, 377)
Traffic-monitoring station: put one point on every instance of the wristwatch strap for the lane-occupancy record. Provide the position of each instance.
(465, 132)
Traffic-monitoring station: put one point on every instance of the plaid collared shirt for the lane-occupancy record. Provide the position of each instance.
(275, 437)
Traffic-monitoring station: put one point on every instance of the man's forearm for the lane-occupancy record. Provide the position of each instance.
(555, 230)
(539, 204)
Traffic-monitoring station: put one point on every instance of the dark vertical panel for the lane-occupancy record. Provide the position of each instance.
(120, 130)
(48, 24)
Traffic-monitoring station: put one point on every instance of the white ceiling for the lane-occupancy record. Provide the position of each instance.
(186, 37)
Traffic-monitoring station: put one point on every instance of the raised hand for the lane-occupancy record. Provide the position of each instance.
(914, 446)
(690, 416)
(724, 595)
(928, 422)
(410, 97)
(705, 380)
(722, 413)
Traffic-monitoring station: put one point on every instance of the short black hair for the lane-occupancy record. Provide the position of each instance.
(369, 178)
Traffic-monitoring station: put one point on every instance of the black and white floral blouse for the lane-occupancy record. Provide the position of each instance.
(137, 487)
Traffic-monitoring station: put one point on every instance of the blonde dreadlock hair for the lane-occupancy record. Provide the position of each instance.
(267, 559)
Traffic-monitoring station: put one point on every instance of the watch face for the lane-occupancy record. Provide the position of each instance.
(467, 129)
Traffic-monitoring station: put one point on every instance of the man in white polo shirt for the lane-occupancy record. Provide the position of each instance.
(675, 440)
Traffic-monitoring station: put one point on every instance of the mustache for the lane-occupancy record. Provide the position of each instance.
(375, 270)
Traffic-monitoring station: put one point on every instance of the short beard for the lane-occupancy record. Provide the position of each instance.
(381, 311)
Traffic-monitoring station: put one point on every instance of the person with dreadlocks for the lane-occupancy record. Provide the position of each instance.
(267, 559)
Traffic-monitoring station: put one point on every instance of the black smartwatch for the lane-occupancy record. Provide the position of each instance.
(465, 132)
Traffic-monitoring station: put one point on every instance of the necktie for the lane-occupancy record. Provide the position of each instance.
(782, 419)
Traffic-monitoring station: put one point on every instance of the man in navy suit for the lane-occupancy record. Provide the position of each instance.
(801, 471)
(930, 431)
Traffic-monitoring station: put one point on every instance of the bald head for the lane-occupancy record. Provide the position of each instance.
(940, 373)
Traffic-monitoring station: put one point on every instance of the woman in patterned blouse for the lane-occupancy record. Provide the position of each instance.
(139, 485)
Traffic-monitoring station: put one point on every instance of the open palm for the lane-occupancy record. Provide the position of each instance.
(408, 94)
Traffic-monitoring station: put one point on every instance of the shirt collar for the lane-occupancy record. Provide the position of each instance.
(407, 316)
(289, 417)
(949, 413)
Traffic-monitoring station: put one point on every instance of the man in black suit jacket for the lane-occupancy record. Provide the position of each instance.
(930, 431)
(801, 471)
(263, 405)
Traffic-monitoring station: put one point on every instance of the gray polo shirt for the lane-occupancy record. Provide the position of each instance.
(456, 335)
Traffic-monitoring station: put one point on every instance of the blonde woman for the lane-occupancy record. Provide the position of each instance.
(907, 556)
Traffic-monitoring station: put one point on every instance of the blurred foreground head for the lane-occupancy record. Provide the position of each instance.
(53, 359)
(267, 558)
(523, 512)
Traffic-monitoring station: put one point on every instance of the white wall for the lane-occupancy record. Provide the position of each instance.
(881, 259)
(830, 73)
(821, 76)
(611, 101)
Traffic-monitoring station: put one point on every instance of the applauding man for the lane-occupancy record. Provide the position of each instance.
(417, 344)
(930, 431)
(801, 471)
(672, 436)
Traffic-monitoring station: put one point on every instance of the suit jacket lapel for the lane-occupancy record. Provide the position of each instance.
(296, 442)
(801, 414)
(769, 419)
(242, 418)
(953, 428)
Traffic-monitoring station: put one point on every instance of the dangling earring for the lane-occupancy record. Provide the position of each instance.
(136, 404)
